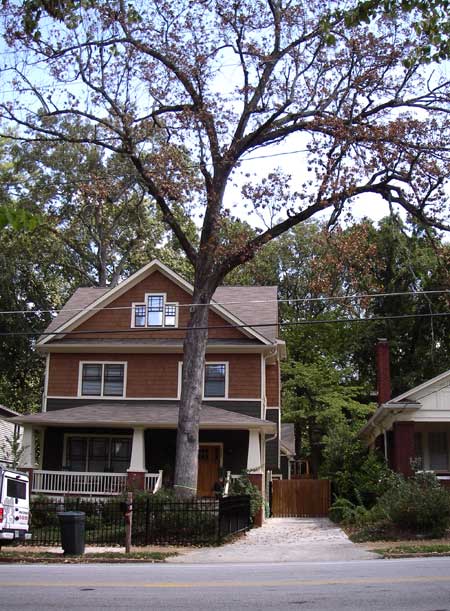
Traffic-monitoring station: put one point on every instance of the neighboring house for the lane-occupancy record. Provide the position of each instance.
(113, 383)
(415, 426)
(8, 431)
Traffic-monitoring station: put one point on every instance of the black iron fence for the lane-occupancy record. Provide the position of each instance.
(202, 521)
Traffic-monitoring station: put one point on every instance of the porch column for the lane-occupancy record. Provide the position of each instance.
(254, 467)
(403, 447)
(136, 471)
(27, 460)
(254, 452)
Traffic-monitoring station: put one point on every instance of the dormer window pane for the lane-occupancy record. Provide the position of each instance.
(113, 384)
(170, 316)
(92, 380)
(155, 310)
(139, 315)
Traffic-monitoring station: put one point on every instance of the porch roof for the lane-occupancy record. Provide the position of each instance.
(150, 415)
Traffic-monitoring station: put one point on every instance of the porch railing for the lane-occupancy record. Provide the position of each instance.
(79, 482)
(153, 481)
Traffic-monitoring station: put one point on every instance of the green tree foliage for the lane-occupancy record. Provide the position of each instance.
(73, 216)
(331, 371)
(318, 397)
(28, 281)
(92, 204)
(358, 476)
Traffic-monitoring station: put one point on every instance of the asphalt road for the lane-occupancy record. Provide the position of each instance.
(417, 584)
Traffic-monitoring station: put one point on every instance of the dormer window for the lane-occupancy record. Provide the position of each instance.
(154, 312)
(170, 316)
(139, 315)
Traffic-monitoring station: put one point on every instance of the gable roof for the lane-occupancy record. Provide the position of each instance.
(424, 389)
(256, 304)
(86, 301)
(81, 299)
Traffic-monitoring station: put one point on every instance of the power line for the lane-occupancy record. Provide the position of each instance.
(215, 327)
(255, 301)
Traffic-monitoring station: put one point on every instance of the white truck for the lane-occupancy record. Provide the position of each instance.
(14, 505)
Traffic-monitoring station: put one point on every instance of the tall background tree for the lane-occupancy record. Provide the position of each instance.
(73, 217)
(369, 117)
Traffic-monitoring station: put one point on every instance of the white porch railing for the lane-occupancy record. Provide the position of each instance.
(79, 482)
(153, 481)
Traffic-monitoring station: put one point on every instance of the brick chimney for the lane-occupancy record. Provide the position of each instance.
(383, 371)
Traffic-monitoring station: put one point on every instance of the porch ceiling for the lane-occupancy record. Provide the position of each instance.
(151, 415)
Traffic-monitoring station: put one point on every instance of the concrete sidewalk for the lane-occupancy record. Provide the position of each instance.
(283, 540)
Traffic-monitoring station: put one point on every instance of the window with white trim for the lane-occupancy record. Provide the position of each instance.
(215, 380)
(99, 454)
(155, 312)
(139, 315)
(102, 380)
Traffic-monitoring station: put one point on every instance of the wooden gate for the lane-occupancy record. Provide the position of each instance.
(301, 498)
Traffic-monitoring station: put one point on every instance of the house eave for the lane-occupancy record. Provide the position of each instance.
(99, 348)
(383, 411)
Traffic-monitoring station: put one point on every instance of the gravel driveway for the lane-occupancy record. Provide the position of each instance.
(283, 540)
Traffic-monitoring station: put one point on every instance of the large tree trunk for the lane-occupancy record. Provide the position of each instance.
(186, 467)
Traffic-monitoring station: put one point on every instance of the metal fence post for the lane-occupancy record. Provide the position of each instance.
(128, 522)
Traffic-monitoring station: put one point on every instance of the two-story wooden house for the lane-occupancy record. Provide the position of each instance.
(112, 386)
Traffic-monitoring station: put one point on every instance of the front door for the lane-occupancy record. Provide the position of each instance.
(208, 469)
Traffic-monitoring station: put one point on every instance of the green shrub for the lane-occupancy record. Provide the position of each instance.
(359, 475)
(243, 485)
(342, 510)
(418, 504)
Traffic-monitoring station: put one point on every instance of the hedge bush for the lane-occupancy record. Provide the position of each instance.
(418, 504)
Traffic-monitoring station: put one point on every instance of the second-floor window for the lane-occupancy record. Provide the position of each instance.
(155, 312)
(215, 380)
(102, 379)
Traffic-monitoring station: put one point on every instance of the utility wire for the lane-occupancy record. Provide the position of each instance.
(215, 327)
(228, 303)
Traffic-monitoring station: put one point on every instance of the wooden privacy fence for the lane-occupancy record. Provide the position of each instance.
(301, 498)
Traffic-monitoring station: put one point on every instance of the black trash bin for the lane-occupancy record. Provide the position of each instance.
(72, 532)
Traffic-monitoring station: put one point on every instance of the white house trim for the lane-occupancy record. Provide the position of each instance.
(45, 393)
(227, 382)
(101, 396)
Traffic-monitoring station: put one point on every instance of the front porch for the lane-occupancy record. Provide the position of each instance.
(89, 484)
(104, 450)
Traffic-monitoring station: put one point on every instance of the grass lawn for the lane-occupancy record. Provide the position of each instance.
(12, 555)
(410, 548)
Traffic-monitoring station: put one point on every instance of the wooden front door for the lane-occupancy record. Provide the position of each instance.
(208, 469)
